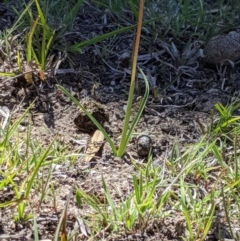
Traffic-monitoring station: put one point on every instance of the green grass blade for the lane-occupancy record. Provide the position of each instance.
(43, 21)
(137, 192)
(30, 39)
(49, 43)
(187, 219)
(109, 199)
(37, 167)
(233, 120)
(72, 13)
(133, 9)
(46, 38)
(77, 47)
(221, 109)
(35, 57)
(236, 166)
(18, 23)
(78, 198)
(12, 202)
(126, 140)
(36, 237)
(19, 61)
(94, 203)
(208, 224)
(43, 50)
(7, 74)
(149, 198)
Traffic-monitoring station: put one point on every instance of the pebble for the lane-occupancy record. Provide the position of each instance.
(144, 145)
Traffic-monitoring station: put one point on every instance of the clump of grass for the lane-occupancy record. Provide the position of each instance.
(225, 123)
(183, 19)
(42, 29)
(21, 160)
(128, 214)
(126, 132)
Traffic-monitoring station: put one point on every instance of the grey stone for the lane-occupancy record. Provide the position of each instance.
(223, 49)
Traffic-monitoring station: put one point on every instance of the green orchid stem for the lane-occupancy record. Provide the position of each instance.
(124, 141)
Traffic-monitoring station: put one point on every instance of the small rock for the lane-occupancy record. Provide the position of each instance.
(21, 128)
(144, 145)
(223, 48)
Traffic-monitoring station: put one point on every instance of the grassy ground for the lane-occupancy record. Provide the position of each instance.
(190, 193)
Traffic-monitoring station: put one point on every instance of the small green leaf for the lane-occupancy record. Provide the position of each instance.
(78, 198)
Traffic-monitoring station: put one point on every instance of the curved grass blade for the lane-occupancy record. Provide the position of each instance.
(139, 113)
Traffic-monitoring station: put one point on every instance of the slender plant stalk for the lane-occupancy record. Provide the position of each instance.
(30, 38)
(133, 76)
